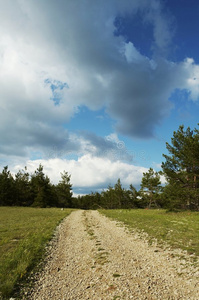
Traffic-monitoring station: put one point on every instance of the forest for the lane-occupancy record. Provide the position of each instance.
(181, 192)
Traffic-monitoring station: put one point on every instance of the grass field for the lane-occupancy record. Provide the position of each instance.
(179, 230)
(24, 233)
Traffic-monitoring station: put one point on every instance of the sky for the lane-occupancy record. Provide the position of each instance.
(96, 87)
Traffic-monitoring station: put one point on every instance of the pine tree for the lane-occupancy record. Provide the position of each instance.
(64, 191)
(108, 198)
(115, 197)
(181, 168)
(41, 188)
(119, 194)
(135, 200)
(7, 188)
(23, 189)
(151, 186)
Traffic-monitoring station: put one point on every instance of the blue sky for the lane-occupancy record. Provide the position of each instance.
(96, 88)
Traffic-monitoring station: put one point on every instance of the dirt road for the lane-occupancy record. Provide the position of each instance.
(94, 258)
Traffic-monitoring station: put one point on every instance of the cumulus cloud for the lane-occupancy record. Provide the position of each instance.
(88, 143)
(57, 56)
(88, 173)
(132, 54)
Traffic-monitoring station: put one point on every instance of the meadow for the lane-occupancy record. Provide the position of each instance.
(24, 234)
(177, 230)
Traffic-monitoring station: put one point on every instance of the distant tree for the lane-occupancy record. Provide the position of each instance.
(135, 200)
(108, 198)
(7, 188)
(64, 191)
(119, 197)
(115, 197)
(93, 201)
(41, 189)
(97, 200)
(181, 168)
(151, 186)
(86, 201)
(23, 188)
(133, 192)
(122, 196)
(172, 198)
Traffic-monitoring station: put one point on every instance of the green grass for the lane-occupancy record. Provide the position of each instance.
(179, 230)
(24, 233)
(116, 275)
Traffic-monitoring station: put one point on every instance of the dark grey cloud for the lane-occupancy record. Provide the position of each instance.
(111, 148)
(73, 42)
(21, 139)
(140, 99)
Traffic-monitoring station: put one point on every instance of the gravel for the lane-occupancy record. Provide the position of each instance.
(93, 257)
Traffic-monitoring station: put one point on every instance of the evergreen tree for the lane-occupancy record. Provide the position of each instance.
(115, 197)
(151, 186)
(97, 201)
(122, 196)
(108, 198)
(64, 191)
(41, 188)
(181, 168)
(135, 200)
(118, 194)
(23, 189)
(7, 188)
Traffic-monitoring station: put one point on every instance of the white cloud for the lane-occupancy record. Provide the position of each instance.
(79, 48)
(88, 172)
(163, 25)
(192, 79)
(73, 42)
(132, 54)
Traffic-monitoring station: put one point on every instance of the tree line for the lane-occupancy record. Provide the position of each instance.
(117, 197)
(181, 170)
(34, 190)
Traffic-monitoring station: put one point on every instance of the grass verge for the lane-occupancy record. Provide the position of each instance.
(179, 230)
(24, 233)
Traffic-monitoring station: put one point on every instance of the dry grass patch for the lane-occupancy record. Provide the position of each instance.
(179, 230)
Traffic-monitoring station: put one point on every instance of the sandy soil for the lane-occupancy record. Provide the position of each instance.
(94, 258)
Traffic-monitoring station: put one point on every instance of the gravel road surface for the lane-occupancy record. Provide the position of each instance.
(95, 258)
